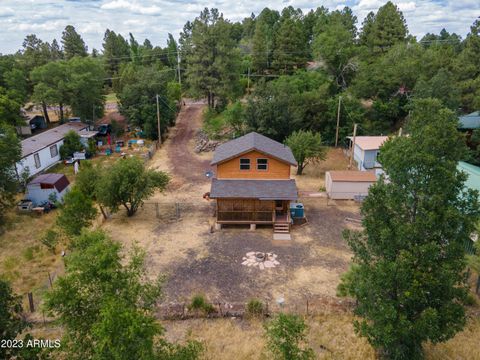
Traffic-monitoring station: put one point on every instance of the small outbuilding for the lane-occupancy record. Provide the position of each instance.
(47, 186)
(348, 184)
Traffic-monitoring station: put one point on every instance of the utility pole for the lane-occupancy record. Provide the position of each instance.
(178, 67)
(158, 123)
(338, 120)
(353, 145)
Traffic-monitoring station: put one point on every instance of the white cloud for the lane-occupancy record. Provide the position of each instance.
(133, 7)
(6, 12)
(155, 18)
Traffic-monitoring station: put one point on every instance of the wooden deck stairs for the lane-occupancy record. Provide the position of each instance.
(281, 224)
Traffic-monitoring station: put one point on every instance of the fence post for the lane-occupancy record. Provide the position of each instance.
(307, 307)
(30, 302)
(50, 279)
(177, 211)
(157, 211)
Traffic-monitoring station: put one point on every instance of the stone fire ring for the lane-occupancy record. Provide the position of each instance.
(260, 260)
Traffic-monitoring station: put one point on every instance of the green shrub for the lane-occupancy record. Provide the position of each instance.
(50, 240)
(255, 308)
(286, 335)
(200, 304)
(213, 123)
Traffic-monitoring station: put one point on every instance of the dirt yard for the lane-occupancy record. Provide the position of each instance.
(197, 260)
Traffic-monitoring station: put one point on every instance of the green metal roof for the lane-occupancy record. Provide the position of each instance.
(470, 121)
(473, 172)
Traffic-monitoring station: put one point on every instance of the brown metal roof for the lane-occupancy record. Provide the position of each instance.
(49, 137)
(60, 181)
(352, 176)
(254, 189)
(253, 141)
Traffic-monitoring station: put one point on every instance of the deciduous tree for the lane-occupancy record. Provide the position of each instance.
(127, 183)
(409, 261)
(286, 337)
(76, 212)
(10, 154)
(106, 304)
(307, 148)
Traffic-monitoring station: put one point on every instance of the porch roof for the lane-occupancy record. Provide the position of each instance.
(254, 189)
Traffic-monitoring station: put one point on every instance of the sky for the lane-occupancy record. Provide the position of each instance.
(154, 19)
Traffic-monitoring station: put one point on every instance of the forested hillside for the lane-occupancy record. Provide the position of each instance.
(289, 70)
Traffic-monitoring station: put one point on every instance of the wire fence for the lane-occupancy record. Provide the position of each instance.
(309, 306)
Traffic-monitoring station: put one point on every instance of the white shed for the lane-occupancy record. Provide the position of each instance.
(346, 184)
(40, 189)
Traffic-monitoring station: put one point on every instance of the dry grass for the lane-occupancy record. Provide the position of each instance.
(24, 260)
(313, 178)
(331, 336)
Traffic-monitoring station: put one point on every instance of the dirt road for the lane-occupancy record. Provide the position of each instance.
(184, 162)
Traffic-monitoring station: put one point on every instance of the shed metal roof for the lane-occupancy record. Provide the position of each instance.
(352, 176)
(59, 181)
(369, 142)
(254, 189)
(470, 121)
(49, 137)
(253, 141)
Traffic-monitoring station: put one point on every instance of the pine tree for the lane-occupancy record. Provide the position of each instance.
(115, 51)
(213, 62)
(290, 51)
(262, 42)
(389, 27)
(73, 44)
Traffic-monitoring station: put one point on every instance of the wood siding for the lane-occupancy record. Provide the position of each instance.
(231, 169)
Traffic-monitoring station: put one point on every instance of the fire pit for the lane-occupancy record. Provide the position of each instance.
(259, 259)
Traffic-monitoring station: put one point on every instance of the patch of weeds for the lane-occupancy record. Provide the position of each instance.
(470, 300)
(28, 253)
(255, 308)
(200, 304)
(50, 240)
(9, 263)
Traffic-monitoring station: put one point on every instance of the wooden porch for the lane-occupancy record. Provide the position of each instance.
(254, 211)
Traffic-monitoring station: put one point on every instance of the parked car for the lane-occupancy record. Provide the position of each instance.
(104, 129)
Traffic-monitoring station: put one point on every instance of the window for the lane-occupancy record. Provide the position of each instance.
(36, 157)
(53, 150)
(244, 164)
(262, 164)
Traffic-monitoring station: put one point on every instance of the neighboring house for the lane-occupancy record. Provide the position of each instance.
(470, 121)
(252, 182)
(47, 186)
(42, 151)
(348, 184)
(366, 152)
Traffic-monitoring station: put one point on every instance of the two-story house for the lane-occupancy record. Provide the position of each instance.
(252, 183)
(366, 151)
